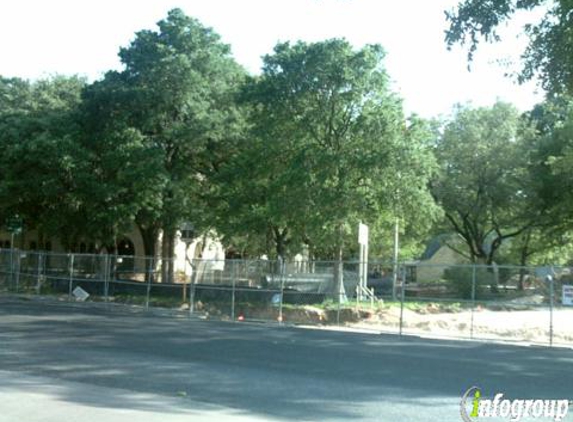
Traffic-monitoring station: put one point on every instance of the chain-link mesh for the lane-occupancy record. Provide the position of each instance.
(559, 282)
(532, 304)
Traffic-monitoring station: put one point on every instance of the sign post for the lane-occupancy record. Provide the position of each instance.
(14, 227)
(187, 236)
(363, 233)
(396, 256)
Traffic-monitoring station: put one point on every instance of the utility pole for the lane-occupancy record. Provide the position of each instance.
(396, 254)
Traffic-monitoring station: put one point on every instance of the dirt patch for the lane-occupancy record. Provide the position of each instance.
(511, 325)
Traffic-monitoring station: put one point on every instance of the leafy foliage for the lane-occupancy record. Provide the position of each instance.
(329, 147)
(549, 54)
(41, 160)
(484, 186)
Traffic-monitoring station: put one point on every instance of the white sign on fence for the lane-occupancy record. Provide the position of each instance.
(567, 295)
(80, 294)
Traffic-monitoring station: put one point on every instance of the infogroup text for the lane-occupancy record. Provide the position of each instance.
(475, 407)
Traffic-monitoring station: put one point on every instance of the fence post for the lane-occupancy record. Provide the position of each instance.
(282, 293)
(149, 277)
(473, 301)
(12, 266)
(17, 270)
(402, 297)
(195, 268)
(39, 279)
(71, 277)
(106, 278)
(339, 305)
(233, 284)
(551, 305)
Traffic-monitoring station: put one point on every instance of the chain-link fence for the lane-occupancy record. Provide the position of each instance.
(507, 303)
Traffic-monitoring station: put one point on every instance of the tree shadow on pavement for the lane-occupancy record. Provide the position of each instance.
(279, 372)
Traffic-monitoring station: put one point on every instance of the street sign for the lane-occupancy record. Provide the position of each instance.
(80, 294)
(14, 225)
(363, 268)
(567, 295)
(363, 234)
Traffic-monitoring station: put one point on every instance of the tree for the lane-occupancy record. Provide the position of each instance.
(126, 178)
(175, 97)
(484, 186)
(544, 148)
(550, 155)
(41, 158)
(549, 54)
(329, 141)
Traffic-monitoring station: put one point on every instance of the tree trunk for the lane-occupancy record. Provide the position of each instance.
(309, 254)
(280, 242)
(491, 267)
(524, 255)
(150, 237)
(167, 254)
(171, 252)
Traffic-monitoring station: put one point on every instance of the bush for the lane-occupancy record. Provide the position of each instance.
(460, 280)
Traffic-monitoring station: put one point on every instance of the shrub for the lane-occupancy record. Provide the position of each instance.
(460, 280)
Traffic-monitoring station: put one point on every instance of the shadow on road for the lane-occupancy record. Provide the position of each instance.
(284, 373)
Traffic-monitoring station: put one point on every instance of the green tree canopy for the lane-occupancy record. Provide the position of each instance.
(173, 107)
(484, 186)
(549, 54)
(329, 147)
(40, 158)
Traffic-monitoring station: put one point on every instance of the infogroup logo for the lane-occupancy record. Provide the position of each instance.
(475, 407)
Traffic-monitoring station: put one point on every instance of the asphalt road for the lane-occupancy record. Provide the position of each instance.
(61, 361)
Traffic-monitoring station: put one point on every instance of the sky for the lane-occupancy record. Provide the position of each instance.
(39, 38)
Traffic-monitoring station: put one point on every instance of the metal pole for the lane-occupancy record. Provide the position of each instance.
(551, 305)
(396, 254)
(12, 261)
(473, 301)
(194, 269)
(371, 297)
(191, 288)
(282, 293)
(365, 271)
(233, 283)
(360, 274)
(339, 270)
(71, 278)
(402, 297)
(38, 281)
(149, 277)
(185, 273)
(17, 263)
(106, 278)
(338, 313)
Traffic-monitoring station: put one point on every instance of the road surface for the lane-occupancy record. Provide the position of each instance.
(62, 361)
